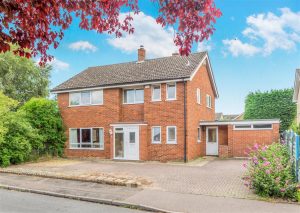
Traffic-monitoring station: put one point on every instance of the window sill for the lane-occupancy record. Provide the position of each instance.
(156, 100)
(132, 103)
(155, 142)
(171, 99)
(198, 141)
(85, 105)
(208, 107)
(173, 142)
(99, 149)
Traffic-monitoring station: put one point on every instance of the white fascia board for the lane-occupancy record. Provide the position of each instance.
(216, 123)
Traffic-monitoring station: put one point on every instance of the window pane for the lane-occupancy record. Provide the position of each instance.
(85, 98)
(132, 137)
(171, 91)
(171, 133)
(98, 138)
(139, 96)
(156, 134)
(129, 96)
(86, 136)
(74, 98)
(212, 135)
(199, 134)
(241, 126)
(97, 97)
(262, 126)
(156, 93)
(75, 138)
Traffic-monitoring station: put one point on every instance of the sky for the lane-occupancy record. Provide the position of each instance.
(256, 46)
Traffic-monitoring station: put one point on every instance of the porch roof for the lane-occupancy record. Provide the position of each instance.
(257, 121)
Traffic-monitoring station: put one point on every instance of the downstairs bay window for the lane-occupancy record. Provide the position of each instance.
(87, 138)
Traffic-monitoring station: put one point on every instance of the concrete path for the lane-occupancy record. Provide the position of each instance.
(20, 202)
(157, 198)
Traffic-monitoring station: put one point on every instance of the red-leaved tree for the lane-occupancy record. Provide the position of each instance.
(35, 25)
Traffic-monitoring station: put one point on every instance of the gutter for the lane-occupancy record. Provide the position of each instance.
(184, 117)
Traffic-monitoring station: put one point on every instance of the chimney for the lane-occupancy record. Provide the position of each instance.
(141, 54)
(175, 53)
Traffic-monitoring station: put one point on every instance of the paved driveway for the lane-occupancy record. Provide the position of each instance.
(210, 176)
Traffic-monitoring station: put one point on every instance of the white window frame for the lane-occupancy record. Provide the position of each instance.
(90, 103)
(167, 133)
(134, 97)
(167, 85)
(208, 101)
(252, 127)
(80, 142)
(152, 135)
(199, 131)
(152, 88)
(198, 96)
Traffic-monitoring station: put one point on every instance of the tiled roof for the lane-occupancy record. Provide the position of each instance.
(166, 68)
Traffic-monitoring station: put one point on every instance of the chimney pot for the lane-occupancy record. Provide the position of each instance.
(141, 54)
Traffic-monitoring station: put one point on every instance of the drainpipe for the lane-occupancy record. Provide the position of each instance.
(184, 117)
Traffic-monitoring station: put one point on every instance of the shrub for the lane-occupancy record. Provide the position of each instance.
(269, 171)
(44, 115)
(271, 104)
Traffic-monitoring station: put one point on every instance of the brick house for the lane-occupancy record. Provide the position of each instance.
(144, 110)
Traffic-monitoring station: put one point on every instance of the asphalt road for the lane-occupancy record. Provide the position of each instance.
(13, 202)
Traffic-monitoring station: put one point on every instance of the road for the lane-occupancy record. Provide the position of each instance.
(14, 202)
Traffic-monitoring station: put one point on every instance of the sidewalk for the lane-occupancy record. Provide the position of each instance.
(170, 201)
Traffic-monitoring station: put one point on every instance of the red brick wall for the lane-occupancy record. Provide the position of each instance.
(165, 113)
(91, 116)
(240, 140)
(197, 112)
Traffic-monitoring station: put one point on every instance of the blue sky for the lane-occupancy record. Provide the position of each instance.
(256, 46)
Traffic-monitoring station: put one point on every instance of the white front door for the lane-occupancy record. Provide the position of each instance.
(212, 141)
(126, 143)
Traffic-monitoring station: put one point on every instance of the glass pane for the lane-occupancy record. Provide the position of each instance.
(74, 98)
(95, 135)
(212, 135)
(86, 136)
(156, 93)
(129, 96)
(101, 137)
(156, 134)
(119, 144)
(242, 126)
(139, 96)
(85, 98)
(97, 97)
(199, 134)
(132, 137)
(171, 91)
(262, 126)
(75, 138)
(171, 133)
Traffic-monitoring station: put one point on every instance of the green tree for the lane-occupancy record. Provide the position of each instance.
(44, 115)
(21, 78)
(271, 104)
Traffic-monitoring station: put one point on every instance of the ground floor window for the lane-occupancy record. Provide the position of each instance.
(199, 135)
(171, 135)
(87, 138)
(156, 134)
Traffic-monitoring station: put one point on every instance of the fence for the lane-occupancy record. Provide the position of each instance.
(292, 141)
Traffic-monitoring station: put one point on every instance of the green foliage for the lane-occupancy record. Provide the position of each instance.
(21, 79)
(44, 115)
(270, 172)
(272, 104)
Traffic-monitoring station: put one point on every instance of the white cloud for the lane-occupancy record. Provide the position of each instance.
(156, 40)
(236, 48)
(205, 45)
(268, 32)
(59, 65)
(83, 46)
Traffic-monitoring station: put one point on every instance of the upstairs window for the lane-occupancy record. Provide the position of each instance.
(86, 98)
(133, 96)
(171, 91)
(208, 101)
(156, 93)
(198, 94)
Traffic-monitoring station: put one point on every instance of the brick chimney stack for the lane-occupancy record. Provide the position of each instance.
(141, 54)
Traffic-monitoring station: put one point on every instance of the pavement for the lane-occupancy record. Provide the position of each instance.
(33, 203)
(163, 198)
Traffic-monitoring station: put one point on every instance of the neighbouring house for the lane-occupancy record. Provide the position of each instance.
(296, 96)
(231, 117)
(157, 109)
